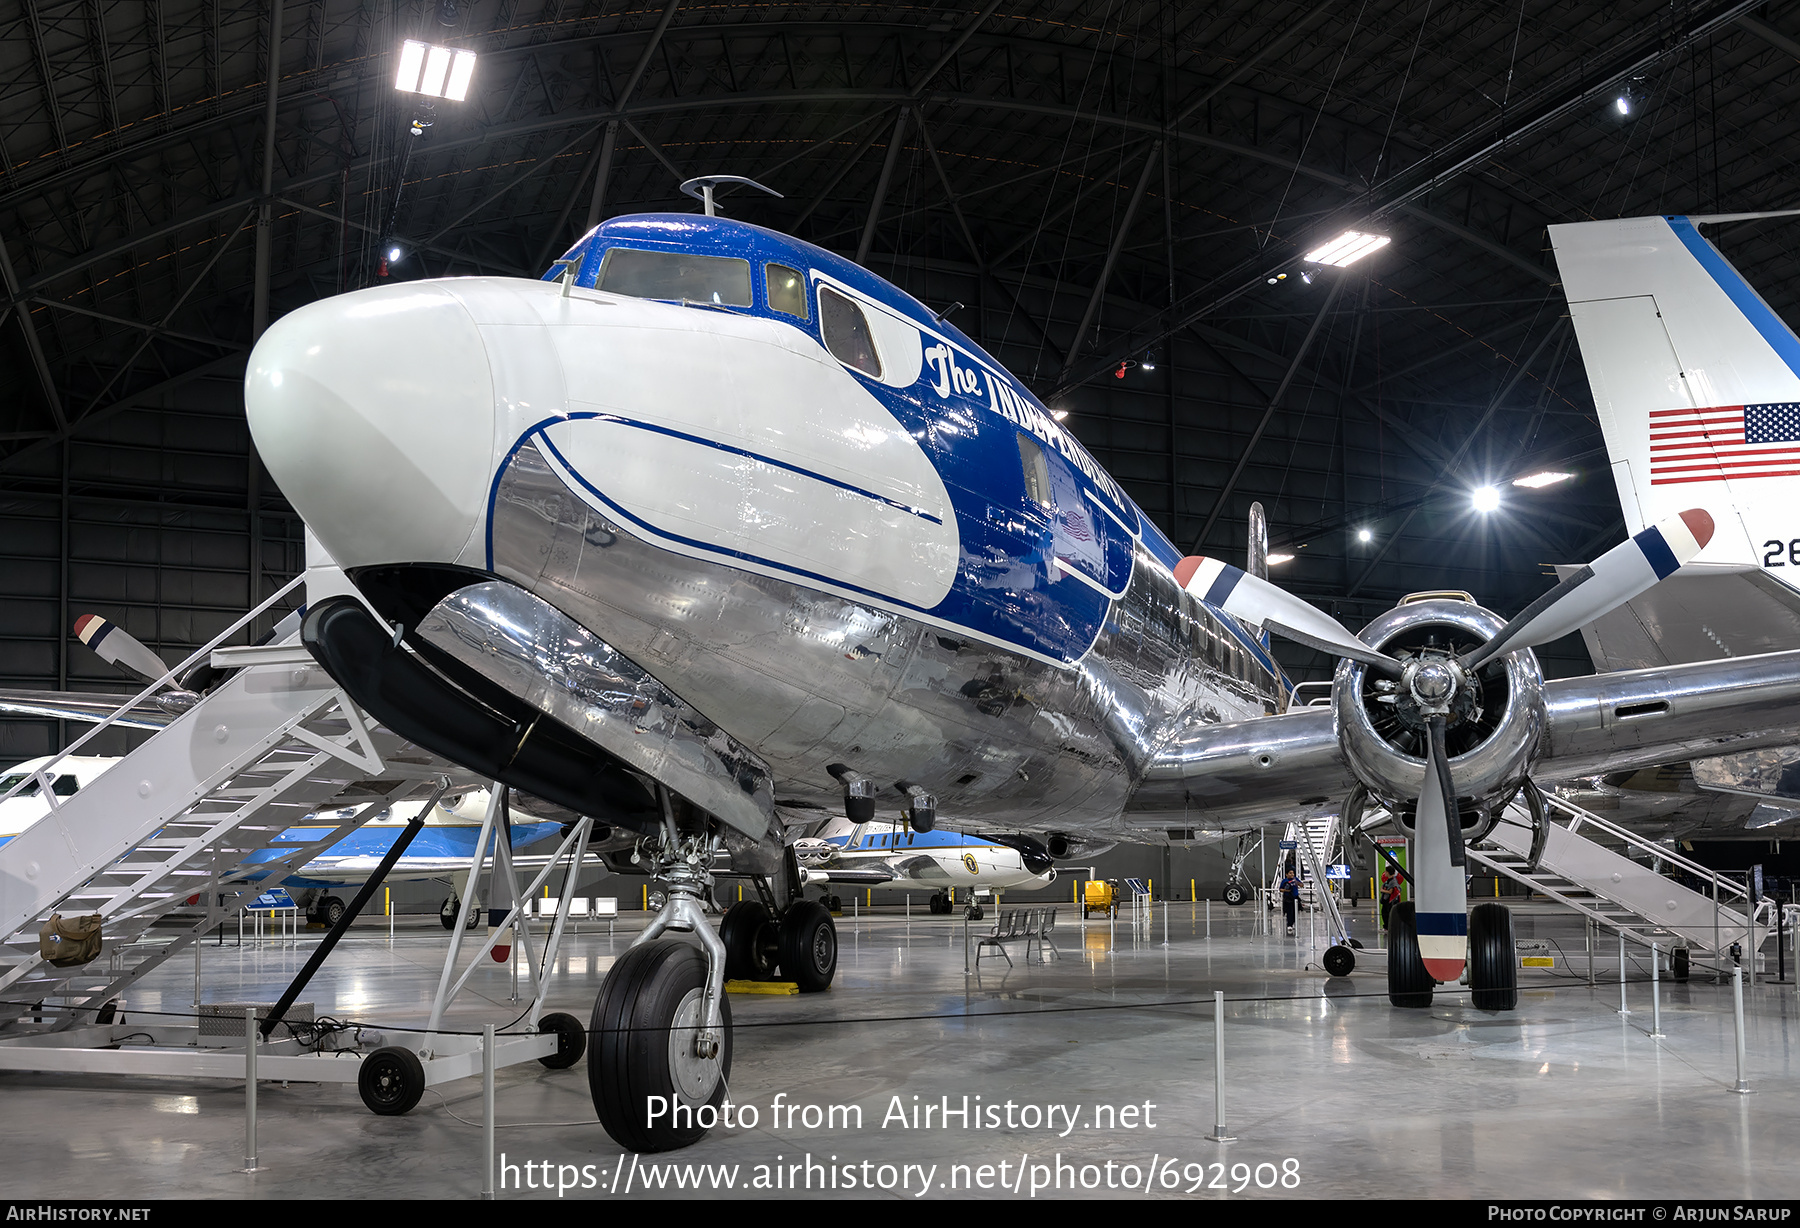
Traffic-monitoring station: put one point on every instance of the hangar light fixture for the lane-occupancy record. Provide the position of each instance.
(436, 72)
(1347, 248)
(1059, 414)
(1278, 558)
(1537, 481)
(1485, 499)
(1363, 535)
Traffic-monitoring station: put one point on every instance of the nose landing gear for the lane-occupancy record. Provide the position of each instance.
(661, 1024)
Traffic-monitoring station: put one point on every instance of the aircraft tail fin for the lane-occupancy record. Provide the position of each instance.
(1696, 380)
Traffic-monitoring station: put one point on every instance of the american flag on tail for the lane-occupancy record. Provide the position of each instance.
(1724, 442)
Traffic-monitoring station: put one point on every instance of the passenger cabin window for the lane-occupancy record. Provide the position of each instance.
(677, 276)
(1037, 472)
(847, 333)
(787, 290)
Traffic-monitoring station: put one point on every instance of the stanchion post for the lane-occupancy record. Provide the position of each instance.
(1622, 1009)
(1218, 1135)
(250, 1040)
(1656, 1031)
(1209, 919)
(1165, 923)
(966, 969)
(487, 1110)
(1737, 1011)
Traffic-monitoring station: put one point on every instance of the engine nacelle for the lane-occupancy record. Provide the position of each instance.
(1496, 720)
(1063, 846)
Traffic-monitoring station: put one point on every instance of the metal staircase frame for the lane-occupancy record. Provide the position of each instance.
(1753, 926)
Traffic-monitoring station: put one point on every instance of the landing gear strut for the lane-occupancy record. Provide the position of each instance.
(662, 1026)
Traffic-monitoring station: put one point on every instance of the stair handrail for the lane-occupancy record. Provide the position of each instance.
(1583, 817)
(199, 654)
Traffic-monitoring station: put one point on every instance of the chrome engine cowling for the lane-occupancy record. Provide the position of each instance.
(1496, 716)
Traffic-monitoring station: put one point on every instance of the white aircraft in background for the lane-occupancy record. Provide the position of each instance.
(443, 849)
(883, 855)
(712, 520)
(1697, 384)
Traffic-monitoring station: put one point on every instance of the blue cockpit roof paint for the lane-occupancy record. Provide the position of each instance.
(1780, 337)
(1009, 544)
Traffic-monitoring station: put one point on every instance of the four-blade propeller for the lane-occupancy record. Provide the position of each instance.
(1433, 681)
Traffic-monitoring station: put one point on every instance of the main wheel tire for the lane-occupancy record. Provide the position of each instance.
(571, 1040)
(1235, 894)
(834, 903)
(1409, 985)
(1493, 968)
(447, 912)
(752, 942)
(644, 1021)
(391, 1081)
(808, 946)
(1339, 960)
(331, 911)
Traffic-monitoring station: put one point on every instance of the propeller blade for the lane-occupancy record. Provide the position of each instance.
(1608, 582)
(1276, 610)
(1442, 898)
(114, 645)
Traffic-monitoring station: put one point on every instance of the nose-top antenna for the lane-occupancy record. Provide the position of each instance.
(701, 189)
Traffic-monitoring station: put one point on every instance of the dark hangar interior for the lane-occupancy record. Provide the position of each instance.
(1112, 197)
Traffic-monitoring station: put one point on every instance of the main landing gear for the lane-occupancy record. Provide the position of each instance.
(660, 1062)
(1493, 967)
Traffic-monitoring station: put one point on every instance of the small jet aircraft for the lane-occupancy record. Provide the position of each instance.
(710, 522)
(877, 855)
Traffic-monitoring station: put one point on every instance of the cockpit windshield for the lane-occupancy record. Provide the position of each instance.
(723, 281)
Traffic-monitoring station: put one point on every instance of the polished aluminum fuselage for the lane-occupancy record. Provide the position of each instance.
(809, 679)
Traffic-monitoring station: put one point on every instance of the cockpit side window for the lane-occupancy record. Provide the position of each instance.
(676, 276)
(1037, 472)
(787, 290)
(7, 782)
(65, 786)
(847, 333)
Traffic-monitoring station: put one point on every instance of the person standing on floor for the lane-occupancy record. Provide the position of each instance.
(1290, 894)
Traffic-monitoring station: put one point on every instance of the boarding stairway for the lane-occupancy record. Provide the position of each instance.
(1316, 841)
(190, 823)
(1617, 893)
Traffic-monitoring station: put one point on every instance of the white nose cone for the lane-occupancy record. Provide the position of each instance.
(374, 412)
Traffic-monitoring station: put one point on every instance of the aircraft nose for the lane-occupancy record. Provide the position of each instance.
(374, 412)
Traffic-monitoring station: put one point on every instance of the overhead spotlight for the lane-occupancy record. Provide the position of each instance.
(1149, 363)
(1279, 557)
(1623, 103)
(1059, 414)
(1485, 499)
(436, 72)
(1347, 248)
(394, 254)
(1363, 535)
(1306, 276)
(1537, 481)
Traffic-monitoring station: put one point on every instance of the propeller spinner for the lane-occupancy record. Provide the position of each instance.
(1438, 689)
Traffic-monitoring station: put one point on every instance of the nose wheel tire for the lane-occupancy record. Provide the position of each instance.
(645, 1019)
(571, 1040)
(331, 910)
(1409, 985)
(391, 1081)
(447, 914)
(1235, 894)
(752, 942)
(808, 947)
(1493, 968)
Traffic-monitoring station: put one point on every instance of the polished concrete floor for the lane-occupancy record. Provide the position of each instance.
(1330, 1092)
